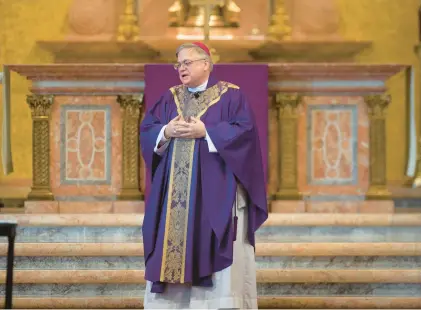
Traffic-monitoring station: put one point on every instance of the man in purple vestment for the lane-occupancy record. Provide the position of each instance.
(207, 197)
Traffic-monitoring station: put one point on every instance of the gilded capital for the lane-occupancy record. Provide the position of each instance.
(377, 104)
(40, 105)
(131, 104)
(287, 103)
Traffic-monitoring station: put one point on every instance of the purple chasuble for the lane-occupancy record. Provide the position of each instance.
(188, 228)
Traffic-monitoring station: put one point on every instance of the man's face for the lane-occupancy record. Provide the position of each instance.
(194, 70)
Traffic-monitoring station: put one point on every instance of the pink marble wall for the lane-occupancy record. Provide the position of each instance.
(325, 150)
(85, 155)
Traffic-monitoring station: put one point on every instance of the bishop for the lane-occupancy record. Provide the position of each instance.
(207, 197)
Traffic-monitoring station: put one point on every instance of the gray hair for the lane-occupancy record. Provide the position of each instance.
(198, 50)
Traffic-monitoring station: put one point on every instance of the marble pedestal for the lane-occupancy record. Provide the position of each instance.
(86, 156)
(327, 138)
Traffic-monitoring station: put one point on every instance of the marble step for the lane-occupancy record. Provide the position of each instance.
(79, 290)
(273, 302)
(262, 249)
(134, 276)
(262, 262)
(267, 234)
(275, 219)
(280, 228)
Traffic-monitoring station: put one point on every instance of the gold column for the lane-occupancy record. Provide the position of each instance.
(41, 109)
(377, 106)
(287, 105)
(131, 110)
(273, 142)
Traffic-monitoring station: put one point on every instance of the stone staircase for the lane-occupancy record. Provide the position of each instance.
(305, 261)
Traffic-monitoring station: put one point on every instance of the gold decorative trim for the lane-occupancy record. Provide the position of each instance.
(128, 30)
(131, 109)
(280, 24)
(212, 94)
(287, 105)
(377, 107)
(41, 110)
(178, 200)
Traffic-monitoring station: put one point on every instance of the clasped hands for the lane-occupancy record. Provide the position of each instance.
(192, 128)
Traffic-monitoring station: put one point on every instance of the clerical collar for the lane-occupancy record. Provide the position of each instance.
(198, 88)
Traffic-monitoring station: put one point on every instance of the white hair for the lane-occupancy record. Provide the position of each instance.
(198, 50)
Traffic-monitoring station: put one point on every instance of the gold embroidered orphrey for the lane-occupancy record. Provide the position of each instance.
(176, 221)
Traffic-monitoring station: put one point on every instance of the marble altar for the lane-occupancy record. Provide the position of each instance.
(326, 137)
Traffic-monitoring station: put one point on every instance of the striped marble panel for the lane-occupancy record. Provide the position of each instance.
(276, 234)
(339, 262)
(76, 290)
(338, 234)
(78, 234)
(137, 290)
(265, 262)
(339, 289)
(77, 263)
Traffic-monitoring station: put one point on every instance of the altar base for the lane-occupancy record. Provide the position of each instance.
(78, 207)
(86, 154)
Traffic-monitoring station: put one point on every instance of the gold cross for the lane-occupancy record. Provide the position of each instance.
(208, 6)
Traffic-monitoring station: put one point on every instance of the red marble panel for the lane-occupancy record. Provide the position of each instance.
(331, 147)
(85, 129)
(331, 152)
(96, 121)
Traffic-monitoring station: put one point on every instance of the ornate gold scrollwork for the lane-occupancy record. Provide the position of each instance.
(377, 107)
(41, 109)
(131, 106)
(280, 24)
(128, 30)
(287, 105)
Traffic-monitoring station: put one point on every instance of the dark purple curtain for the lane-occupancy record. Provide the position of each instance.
(252, 79)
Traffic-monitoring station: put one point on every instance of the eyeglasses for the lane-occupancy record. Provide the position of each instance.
(186, 63)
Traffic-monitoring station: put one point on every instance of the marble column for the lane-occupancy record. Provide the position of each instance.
(377, 107)
(131, 107)
(41, 110)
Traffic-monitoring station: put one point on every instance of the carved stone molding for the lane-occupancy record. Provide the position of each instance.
(41, 109)
(287, 105)
(377, 107)
(131, 107)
